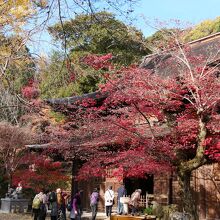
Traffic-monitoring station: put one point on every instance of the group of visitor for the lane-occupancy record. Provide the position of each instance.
(55, 201)
(109, 200)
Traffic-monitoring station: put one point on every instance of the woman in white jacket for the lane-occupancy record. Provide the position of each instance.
(109, 201)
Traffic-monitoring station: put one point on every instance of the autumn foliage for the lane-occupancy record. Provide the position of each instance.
(13, 140)
(155, 119)
(38, 172)
(98, 62)
(151, 122)
(30, 91)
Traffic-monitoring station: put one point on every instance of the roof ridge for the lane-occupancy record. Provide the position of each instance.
(188, 43)
(204, 38)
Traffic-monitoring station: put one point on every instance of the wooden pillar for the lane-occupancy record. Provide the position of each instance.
(170, 192)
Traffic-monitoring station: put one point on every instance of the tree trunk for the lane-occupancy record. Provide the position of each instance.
(189, 205)
(185, 169)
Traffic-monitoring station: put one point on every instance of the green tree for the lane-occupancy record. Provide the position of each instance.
(17, 68)
(164, 38)
(203, 29)
(101, 33)
(58, 80)
(54, 78)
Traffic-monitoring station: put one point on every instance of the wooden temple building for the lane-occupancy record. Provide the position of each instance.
(163, 188)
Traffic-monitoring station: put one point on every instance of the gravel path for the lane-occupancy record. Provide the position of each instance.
(10, 216)
(27, 216)
(14, 217)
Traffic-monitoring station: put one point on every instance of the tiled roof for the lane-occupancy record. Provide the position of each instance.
(207, 47)
(76, 99)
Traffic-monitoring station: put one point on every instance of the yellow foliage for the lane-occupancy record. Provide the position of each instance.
(203, 29)
(15, 13)
(53, 117)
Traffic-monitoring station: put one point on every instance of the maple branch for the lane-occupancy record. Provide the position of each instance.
(213, 68)
(23, 101)
(208, 174)
(65, 39)
(208, 61)
(126, 129)
(147, 120)
(187, 63)
(185, 60)
(90, 6)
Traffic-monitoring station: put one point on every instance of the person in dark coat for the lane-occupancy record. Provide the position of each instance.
(94, 198)
(54, 205)
(121, 192)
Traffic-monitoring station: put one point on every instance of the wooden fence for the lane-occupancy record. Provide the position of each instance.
(145, 200)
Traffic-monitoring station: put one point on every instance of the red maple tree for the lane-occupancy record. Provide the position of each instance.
(152, 123)
(30, 91)
(38, 172)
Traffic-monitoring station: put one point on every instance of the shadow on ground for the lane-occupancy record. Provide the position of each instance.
(27, 216)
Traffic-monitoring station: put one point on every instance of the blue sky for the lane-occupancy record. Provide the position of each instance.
(147, 11)
(189, 11)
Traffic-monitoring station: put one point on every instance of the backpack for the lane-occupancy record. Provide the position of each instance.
(36, 203)
(52, 197)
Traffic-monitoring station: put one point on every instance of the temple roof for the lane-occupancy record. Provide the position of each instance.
(37, 146)
(74, 100)
(161, 63)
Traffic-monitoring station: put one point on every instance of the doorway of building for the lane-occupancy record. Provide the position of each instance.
(145, 184)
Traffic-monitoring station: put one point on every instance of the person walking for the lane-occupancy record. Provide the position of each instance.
(76, 210)
(109, 201)
(39, 206)
(54, 205)
(94, 198)
(61, 203)
(121, 192)
(36, 205)
(43, 207)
